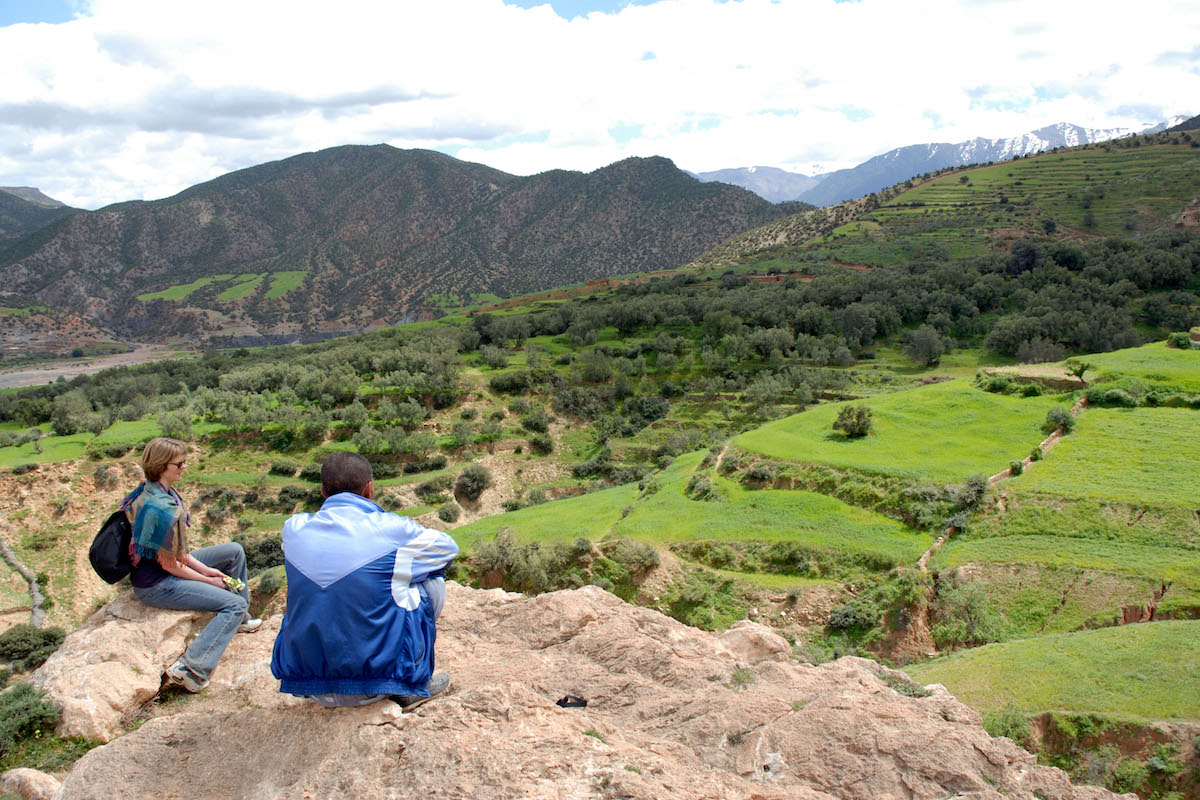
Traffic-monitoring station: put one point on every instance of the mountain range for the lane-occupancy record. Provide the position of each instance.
(902, 163)
(24, 209)
(376, 232)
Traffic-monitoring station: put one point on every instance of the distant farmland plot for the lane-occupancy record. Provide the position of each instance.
(1141, 455)
(1105, 671)
(284, 282)
(246, 286)
(942, 432)
(179, 292)
(1153, 361)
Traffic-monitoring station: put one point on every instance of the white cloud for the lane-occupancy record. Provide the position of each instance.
(140, 98)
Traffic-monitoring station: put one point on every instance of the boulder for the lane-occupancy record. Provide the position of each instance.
(29, 784)
(664, 720)
(752, 643)
(113, 665)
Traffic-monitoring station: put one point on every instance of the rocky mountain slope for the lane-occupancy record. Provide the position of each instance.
(672, 712)
(902, 163)
(375, 231)
(24, 209)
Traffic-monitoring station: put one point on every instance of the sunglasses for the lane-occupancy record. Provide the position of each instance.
(176, 464)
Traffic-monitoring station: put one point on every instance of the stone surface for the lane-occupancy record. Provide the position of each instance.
(752, 643)
(29, 784)
(112, 665)
(664, 720)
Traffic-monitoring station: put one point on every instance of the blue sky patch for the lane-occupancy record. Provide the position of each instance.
(570, 9)
(14, 11)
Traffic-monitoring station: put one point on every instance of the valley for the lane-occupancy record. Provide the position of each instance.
(674, 436)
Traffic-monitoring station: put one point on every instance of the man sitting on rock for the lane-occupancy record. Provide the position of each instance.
(365, 588)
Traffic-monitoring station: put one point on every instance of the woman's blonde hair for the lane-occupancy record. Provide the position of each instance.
(158, 453)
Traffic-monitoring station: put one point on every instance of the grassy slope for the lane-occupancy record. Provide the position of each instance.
(1154, 361)
(943, 432)
(1104, 670)
(1137, 455)
(668, 516)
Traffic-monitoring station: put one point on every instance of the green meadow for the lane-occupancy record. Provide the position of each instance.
(664, 515)
(942, 432)
(1154, 361)
(1135, 455)
(1121, 558)
(1106, 671)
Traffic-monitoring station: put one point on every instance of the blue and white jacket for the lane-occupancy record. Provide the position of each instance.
(358, 621)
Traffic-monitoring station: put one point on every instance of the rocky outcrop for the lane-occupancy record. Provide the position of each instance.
(113, 665)
(673, 712)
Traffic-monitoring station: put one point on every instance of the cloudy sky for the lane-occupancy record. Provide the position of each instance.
(109, 100)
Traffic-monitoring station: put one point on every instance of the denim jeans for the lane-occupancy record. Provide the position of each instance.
(435, 590)
(182, 594)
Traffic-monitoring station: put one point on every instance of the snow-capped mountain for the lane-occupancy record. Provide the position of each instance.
(903, 163)
(769, 183)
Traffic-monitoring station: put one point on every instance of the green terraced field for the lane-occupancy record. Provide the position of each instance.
(181, 291)
(284, 282)
(1154, 361)
(1110, 192)
(943, 432)
(1140, 455)
(667, 516)
(244, 287)
(1102, 671)
(1120, 558)
(591, 516)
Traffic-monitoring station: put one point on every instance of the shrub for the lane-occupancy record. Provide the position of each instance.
(1058, 417)
(1036, 453)
(289, 496)
(1180, 340)
(536, 498)
(432, 488)
(1017, 467)
(312, 472)
(106, 477)
(21, 469)
(427, 465)
(24, 711)
(115, 450)
(541, 444)
(29, 647)
(853, 421)
(853, 615)
(1008, 721)
(472, 481)
(449, 512)
(536, 422)
(261, 553)
(285, 468)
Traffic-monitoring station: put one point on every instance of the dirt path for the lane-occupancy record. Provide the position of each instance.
(50, 371)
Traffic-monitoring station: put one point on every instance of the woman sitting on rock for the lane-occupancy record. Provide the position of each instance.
(166, 574)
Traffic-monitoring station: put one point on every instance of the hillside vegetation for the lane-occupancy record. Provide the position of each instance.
(671, 438)
(355, 236)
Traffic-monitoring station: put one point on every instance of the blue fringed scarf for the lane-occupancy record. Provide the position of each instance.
(159, 521)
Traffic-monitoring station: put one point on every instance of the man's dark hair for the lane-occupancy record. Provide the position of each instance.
(344, 471)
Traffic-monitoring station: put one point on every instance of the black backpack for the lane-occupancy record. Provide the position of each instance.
(109, 552)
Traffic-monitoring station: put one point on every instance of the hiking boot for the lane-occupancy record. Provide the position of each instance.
(437, 684)
(250, 626)
(179, 675)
